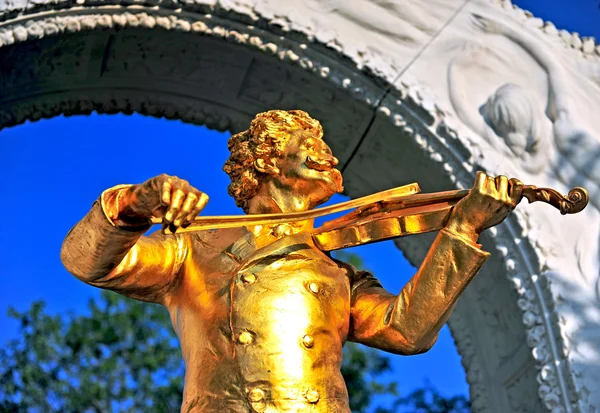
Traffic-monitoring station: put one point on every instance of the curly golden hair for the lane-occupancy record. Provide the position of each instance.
(266, 138)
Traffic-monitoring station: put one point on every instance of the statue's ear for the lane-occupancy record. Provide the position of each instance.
(265, 167)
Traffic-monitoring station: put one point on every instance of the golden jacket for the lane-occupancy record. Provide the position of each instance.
(262, 329)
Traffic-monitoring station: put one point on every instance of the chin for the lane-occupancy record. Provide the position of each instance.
(337, 181)
(328, 183)
(332, 187)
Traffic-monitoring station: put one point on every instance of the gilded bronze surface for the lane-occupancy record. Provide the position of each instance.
(261, 311)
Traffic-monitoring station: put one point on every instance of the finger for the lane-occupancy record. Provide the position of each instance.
(480, 181)
(490, 183)
(189, 202)
(200, 204)
(515, 191)
(202, 201)
(165, 196)
(502, 187)
(176, 201)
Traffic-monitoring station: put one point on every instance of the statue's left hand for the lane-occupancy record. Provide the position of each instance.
(488, 203)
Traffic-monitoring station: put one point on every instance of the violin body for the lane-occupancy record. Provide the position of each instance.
(383, 222)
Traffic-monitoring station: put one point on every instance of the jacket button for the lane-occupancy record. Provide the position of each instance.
(256, 395)
(314, 287)
(312, 396)
(258, 407)
(308, 341)
(257, 400)
(245, 337)
(282, 230)
(248, 278)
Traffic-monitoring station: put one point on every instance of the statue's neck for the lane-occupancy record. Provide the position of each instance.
(271, 200)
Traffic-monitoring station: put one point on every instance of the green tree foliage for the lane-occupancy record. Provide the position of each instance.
(122, 356)
(361, 369)
(428, 400)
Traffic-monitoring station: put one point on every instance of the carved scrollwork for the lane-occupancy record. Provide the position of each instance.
(574, 202)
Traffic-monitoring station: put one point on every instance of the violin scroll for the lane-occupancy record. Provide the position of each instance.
(575, 201)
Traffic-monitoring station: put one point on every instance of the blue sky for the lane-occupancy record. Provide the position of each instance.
(54, 169)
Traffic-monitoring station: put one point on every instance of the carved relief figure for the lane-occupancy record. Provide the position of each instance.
(260, 311)
(510, 120)
(407, 21)
(580, 150)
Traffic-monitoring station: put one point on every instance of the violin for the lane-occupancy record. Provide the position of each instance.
(385, 215)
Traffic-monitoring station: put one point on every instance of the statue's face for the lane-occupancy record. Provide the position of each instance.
(307, 167)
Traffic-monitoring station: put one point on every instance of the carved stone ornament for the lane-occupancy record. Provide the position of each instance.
(440, 87)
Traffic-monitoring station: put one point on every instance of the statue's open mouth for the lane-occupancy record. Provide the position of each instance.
(319, 165)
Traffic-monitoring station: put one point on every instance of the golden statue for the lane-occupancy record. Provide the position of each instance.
(261, 310)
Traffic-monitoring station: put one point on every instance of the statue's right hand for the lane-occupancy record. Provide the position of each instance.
(167, 197)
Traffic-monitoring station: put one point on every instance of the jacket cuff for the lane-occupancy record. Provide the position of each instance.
(109, 200)
(466, 253)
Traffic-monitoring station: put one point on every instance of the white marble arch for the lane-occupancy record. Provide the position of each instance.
(401, 87)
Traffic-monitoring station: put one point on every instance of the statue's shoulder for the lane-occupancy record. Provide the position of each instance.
(357, 276)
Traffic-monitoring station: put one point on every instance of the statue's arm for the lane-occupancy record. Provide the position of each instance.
(104, 254)
(410, 322)
(558, 89)
(464, 110)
